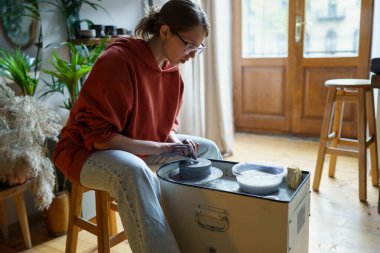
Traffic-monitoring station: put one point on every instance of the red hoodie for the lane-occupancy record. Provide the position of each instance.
(126, 92)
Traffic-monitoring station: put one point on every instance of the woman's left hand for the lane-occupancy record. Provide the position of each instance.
(195, 147)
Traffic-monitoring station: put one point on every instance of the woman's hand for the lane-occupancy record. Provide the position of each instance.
(195, 147)
(187, 148)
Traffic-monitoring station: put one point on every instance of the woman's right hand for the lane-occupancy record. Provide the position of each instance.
(185, 149)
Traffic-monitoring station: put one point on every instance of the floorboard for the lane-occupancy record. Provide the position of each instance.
(339, 222)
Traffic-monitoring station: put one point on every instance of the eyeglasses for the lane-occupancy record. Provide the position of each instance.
(189, 48)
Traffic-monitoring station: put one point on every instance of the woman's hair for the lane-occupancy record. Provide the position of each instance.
(179, 15)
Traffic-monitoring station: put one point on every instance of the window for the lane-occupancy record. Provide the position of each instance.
(330, 42)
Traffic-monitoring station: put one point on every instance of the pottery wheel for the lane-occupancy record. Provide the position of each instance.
(195, 171)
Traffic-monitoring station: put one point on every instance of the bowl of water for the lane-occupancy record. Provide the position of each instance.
(259, 177)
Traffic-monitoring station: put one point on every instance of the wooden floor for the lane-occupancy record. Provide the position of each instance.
(339, 222)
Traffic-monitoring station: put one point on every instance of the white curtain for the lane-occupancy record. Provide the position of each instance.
(207, 107)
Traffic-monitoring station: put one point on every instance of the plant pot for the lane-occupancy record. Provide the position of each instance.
(56, 217)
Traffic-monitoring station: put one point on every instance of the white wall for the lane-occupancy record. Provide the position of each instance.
(123, 13)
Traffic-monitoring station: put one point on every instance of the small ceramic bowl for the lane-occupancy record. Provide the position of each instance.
(88, 33)
(259, 177)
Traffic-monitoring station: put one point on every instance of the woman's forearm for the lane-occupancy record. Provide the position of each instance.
(141, 147)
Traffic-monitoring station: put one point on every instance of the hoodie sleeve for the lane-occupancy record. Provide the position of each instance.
(175, 123)
(105, 100)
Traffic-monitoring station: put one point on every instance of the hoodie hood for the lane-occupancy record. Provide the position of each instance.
(141, 50)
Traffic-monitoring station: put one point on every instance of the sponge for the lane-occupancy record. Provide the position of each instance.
(294, 176)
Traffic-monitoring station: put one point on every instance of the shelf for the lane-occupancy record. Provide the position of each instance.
(96, 41)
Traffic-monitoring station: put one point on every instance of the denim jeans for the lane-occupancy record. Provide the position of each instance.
(136, 189)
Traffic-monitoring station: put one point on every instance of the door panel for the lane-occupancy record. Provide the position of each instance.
(263, 84)
(278, 84)
(314, 100)
(260, 90)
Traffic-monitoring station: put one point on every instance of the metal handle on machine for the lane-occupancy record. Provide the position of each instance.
(216, 213)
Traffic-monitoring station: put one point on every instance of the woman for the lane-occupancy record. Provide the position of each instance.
(126, 118)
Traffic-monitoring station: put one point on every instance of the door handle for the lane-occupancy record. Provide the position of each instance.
(299, 24)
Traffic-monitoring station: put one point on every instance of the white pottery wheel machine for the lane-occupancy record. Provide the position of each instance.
(209, 213)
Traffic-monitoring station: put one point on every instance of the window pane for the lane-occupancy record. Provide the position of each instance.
(265, 28)
(332, 28)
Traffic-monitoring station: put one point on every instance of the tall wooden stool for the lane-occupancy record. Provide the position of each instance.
(105, 227)
(357, 91)
(375, 82)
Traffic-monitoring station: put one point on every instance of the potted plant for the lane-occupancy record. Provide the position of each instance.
(56, 217)
(25, 123)
(18, 67)
(67, 77)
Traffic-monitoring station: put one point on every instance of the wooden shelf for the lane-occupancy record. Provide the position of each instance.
(96, 41)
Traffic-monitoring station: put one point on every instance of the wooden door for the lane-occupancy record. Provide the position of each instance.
(285, 50)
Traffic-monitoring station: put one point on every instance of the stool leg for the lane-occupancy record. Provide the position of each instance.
(337, 123)
(23, 218)
(362, 145)
(4, 219)
(112, 221)
(102, 214)
(323, 139)
(372, 132)
(75, 209)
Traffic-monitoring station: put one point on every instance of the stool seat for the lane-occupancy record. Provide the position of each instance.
(105, 228)
(360, 92)
(348, 83)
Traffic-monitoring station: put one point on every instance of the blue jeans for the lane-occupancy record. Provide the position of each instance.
(136, 189)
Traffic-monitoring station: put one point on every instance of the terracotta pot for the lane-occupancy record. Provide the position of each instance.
(56, 217)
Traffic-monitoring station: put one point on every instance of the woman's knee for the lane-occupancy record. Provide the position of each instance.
(124, 165)
(209, 149)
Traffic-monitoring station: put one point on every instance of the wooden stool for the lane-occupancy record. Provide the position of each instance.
(17, 193)
(357, 91)
(375, 82)
(105, 227)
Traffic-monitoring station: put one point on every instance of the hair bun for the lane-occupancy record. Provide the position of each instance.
(154, 14)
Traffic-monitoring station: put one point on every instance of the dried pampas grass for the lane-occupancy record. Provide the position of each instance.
(25, 123)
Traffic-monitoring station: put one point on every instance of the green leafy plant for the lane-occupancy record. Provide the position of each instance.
(17, 67)
(68, 76)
